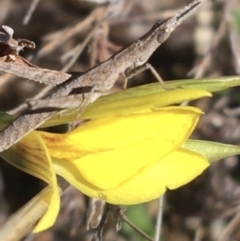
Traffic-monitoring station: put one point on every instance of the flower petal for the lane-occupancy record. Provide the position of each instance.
(139, 100)
(134, 100)
(101, 135)
(126, 144)
(31, 156)
(173, 171)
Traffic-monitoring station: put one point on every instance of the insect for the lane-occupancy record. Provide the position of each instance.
(100, 78)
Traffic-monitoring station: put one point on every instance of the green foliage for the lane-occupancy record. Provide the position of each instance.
(139, 215)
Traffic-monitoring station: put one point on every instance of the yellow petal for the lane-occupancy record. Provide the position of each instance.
(31, 155)
(136, 100)
(128, 144)
(172, 124)
(109, 169)
(173, 171)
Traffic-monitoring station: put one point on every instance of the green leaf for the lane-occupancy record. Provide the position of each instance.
(5, 119)
(213, 151)
(145, 223)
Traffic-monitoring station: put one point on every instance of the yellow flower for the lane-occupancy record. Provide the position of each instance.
(128, 159)
(123, 159)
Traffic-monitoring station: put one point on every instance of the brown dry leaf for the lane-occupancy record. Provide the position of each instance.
(10, 47)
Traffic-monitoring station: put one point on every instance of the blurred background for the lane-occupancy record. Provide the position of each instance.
(76, 35)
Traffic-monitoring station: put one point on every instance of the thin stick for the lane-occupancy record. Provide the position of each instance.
(126, 220)
(30, 11)
(79, 49)
(58, 38)
(233, 224)
(158, 228)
